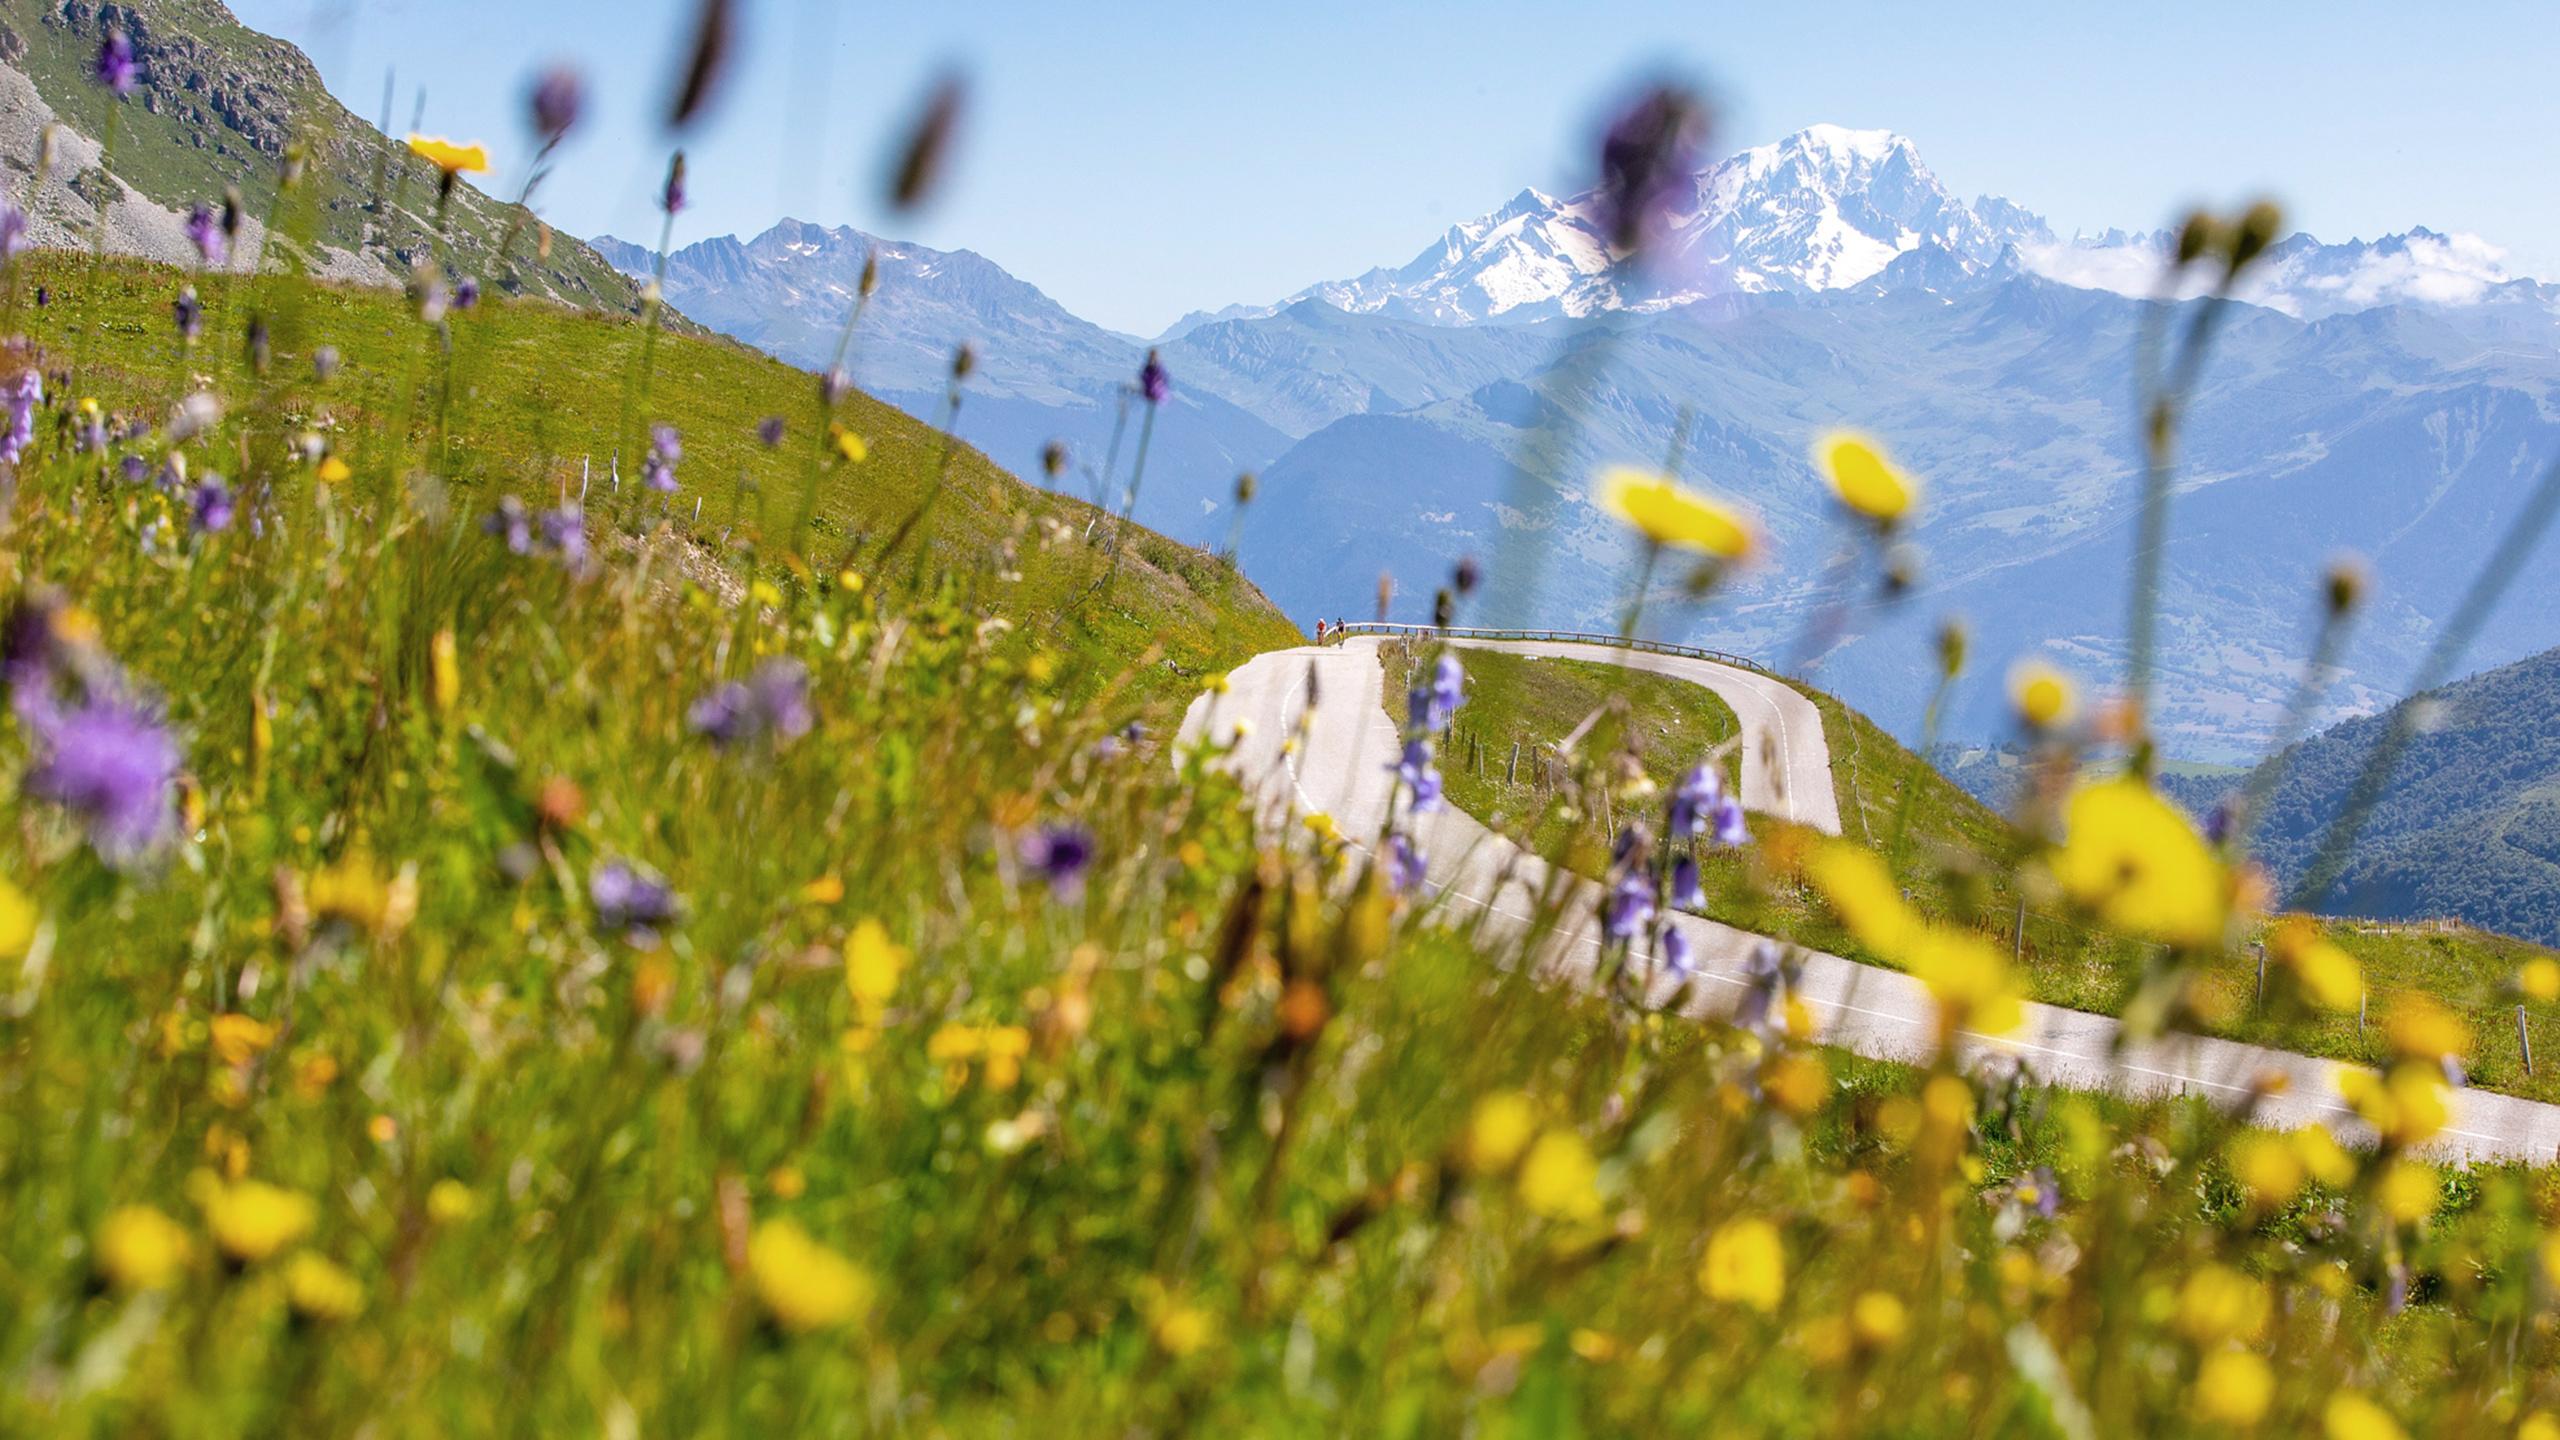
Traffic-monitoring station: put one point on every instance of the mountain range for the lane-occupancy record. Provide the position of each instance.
(2391, 397)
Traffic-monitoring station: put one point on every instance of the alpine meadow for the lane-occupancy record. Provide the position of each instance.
(1750, 798)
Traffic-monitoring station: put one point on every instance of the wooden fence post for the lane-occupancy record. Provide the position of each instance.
(2018, 933)
(2361, 996)
(2524, 1040)
(2261, 1001)
(1512, 775)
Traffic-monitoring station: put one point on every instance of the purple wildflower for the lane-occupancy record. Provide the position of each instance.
(1675, 950)
(1648, 155)
(1686, 892)
(1764, 975)
(672, 200)
(134, 469)
(205, 229)
(774, 701)
(20, 399)
(834, 386)
(1153, 382)
(1405, 867)
(2037, 1191)
(565, 531)
(1630, 908)
(466, 293)
(324, 362)
(556, 100)
(211, 500)
(1416, 771)
(1692, 799)
(769, 431)
(658, 472)
(631, 902)
(1059, 854)
(116, 67)
(1448, 688)
(1729, 827)
(189, 314)
(1629, 843)
(108, 760)
(13, 235)
(510, 522)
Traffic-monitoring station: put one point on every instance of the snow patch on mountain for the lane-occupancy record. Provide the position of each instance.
(2300, 276)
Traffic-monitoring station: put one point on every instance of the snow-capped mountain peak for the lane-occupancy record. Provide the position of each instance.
(1823, 209)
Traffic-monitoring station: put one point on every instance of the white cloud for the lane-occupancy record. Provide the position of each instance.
(2457, 269)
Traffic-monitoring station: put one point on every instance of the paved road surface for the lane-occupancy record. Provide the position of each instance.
(1341, 766)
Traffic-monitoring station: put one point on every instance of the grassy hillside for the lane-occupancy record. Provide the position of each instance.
(218, 105)
(1957, 864)
(531, 396)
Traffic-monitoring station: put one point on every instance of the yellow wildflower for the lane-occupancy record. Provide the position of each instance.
(852, 447)
(449, 156)
(2233, 1387)
(1798, 1082)
(1861, 891)
(253, 1221)
(17, 921)
(1863, 478)
(1666, 512)
(1746, 1264)
(2218, 1304)
(2131, 857)
(2267, 1166)
(2540, 1425)
(2405, 1107)
(1560, 1179)
(804, 1285)
(141, 1249)
(1500, 1130)
(873, 964)
(332, 471)
(2422, 1029)
(2351, 1416)
(239, 1039)
(321, 1289)
(2410, 1191)
(450, 1201)
(1969, 978)
(1879, 1320)
(2045, 697)
(2539, 979)
(2323, 1158)
(1181, 1328)
(444, 671)
(1321, 825)
(2328, 974)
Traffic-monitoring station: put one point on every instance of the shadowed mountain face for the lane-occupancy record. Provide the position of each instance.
(2392, 398)
(2471, 827)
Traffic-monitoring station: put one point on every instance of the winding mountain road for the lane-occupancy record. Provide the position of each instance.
(1342, 762)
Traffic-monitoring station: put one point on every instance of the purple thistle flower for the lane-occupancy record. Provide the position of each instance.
(769, 431)
(556, 100)
(1414, 768)
(1059, 854)
(204, 227)
(466, 293)
(20, 400)
(211, 500)
(631, 902)
(510, 522)
(1405, 867)
(1675, 950)
(108, 760)
(116, 67)
(1729, 827)
(1153, 382)
(189, 314)
(1648, 155)
(1686, 892)
(1630, 908)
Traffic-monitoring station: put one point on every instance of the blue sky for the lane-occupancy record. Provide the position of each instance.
(1140, 159)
